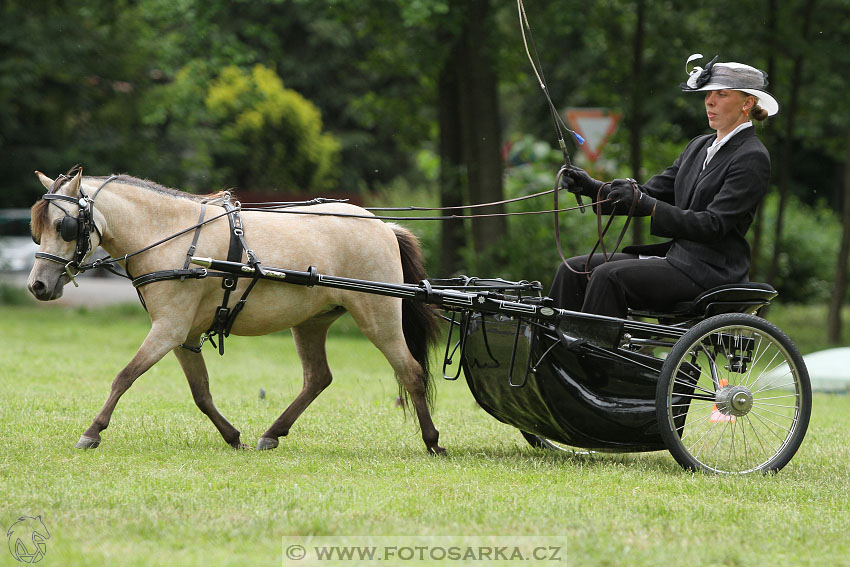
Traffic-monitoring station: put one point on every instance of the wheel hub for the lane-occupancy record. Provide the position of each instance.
(734, 400)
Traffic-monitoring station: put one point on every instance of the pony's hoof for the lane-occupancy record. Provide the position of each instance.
(266, 443)
(436, 450)
(87, 443)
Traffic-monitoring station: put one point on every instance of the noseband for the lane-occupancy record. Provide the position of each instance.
(74, 229)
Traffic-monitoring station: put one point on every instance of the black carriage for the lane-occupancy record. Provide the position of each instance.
(724, 390)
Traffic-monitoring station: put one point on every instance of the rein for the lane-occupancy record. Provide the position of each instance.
(87, 226)
(273, 209)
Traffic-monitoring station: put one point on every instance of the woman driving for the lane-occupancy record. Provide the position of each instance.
(704, 202)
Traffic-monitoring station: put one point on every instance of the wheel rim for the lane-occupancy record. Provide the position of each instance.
(539, 442)
(735, 400)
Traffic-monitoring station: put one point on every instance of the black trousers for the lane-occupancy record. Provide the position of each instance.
(624, 282)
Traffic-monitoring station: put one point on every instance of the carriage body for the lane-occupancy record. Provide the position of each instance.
(532, 377)
(723, 390)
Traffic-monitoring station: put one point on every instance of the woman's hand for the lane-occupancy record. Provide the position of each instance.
(623, 192)
(576, 180)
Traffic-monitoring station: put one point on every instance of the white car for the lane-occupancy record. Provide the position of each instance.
(17, 253)
(17, 250)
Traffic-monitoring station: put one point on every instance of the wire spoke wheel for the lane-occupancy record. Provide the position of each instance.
(734, 397)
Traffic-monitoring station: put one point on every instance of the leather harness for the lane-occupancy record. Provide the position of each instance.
(225, 316)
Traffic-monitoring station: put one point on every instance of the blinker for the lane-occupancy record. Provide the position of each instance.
(69, 228)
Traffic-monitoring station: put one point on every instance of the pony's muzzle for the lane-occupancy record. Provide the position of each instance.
(44, 291)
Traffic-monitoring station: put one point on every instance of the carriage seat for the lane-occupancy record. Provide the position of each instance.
(747, 297)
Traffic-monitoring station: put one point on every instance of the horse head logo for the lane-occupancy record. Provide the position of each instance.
(27, 539)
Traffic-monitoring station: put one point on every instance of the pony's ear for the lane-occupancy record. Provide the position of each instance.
(74, 186)
(46, 181)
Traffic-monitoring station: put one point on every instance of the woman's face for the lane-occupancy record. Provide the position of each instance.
(726, 109)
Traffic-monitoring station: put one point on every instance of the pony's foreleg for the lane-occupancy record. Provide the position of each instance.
(196, 373)
(310, 344)
(159, 341)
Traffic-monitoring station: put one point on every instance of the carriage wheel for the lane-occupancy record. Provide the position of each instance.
(733, 396)
(539, 442)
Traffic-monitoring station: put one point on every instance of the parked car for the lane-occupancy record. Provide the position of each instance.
(17, 250)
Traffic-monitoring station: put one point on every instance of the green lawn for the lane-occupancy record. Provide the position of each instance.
(164, 489)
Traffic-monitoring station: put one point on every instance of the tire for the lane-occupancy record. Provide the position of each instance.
(741, 398)
(539, 442)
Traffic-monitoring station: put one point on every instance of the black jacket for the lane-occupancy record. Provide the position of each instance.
(707, 212)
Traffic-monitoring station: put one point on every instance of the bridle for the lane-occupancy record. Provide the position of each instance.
(77, 229)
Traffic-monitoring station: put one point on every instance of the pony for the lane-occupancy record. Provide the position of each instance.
(125, 215)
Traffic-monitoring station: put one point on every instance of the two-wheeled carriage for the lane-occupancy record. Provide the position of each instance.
(722, 389)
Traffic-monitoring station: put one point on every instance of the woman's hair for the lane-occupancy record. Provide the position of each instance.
(757, 112)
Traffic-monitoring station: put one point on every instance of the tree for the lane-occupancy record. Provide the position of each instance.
(477, 121)
(790, 111)
(839, 289)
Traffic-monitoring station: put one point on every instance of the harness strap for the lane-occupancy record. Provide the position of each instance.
(163, 275)
(225, 317)
(234, 252)
(191, 251)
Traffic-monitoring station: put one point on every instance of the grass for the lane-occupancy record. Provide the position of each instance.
(164, 489)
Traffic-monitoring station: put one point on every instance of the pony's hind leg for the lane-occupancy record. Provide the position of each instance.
(310, 338)
(379, 318)
(196, 373)
(412, 379)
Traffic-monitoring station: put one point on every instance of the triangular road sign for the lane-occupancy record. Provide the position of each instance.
(595, 125)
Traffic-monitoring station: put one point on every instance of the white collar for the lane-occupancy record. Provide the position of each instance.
(720, 142)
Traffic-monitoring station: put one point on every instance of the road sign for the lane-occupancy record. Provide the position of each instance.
(595, 125)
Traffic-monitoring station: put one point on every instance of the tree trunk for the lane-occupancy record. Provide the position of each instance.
(787, 144)
(636, 120)
(758, 224)
(452, 236)
(839, 288)
(479, 118)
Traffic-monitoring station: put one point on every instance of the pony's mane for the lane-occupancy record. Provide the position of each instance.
(39, 210)
(161, 189)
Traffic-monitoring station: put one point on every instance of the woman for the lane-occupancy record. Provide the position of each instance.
(704, 202)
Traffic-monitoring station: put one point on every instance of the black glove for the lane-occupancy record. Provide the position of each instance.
(576, 180)
(624, 191)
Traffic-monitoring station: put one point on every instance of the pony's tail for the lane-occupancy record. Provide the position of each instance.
(419, 322)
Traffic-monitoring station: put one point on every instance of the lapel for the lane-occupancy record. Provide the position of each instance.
(723, 155)
(692, 172)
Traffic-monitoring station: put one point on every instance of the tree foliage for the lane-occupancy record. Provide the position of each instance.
(267, 94)
(242, 127)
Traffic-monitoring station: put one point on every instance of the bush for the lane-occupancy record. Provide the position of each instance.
(808, 249)
(13, 295)
(242, 127)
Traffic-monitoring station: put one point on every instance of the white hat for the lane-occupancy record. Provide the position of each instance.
(733, 76)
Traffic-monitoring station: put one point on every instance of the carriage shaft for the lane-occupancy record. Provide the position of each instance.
(450, 299)
(484, 301)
